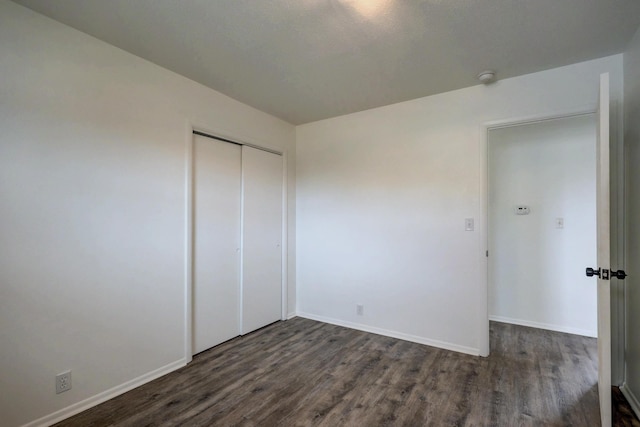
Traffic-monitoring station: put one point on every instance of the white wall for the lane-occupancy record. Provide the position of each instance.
(632, 283)
(382, 196)
(536, 270)
(93, 155)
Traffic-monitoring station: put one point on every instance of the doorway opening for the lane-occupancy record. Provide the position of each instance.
(541, 232)
(542, 224)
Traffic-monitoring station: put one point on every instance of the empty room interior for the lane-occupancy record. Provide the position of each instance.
(319, 212)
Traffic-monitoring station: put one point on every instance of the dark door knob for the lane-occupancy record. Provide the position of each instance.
(620, 274)
(591, 272)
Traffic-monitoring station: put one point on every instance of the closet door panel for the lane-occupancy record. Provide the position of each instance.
(262, 235)
(216, 242)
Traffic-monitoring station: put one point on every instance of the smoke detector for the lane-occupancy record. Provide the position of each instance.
(487, 77)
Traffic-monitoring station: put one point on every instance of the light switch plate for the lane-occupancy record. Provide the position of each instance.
(468, 224)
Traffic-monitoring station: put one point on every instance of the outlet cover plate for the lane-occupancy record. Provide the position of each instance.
(63, 382)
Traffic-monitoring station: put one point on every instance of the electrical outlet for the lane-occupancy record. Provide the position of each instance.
(359, 309)
(63, 382)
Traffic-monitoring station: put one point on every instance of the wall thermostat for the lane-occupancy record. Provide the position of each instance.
(522, 210)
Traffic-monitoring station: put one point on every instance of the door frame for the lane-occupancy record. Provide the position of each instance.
(236, 138)
(483, 319)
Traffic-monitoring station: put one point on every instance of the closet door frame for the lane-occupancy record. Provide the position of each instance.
(191, 130)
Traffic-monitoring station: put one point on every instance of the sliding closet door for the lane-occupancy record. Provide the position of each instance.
(216, 242)
(262, 235)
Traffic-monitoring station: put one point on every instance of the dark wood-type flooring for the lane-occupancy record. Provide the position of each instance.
(623, 415)
(306, 373)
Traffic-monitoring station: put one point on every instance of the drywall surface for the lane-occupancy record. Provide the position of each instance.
(632, 283)
(93, 173)
(537, 262)
(382, 198)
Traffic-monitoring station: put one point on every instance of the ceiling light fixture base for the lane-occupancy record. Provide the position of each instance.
(487, 77)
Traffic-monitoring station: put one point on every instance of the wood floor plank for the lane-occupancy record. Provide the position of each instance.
(306, 373)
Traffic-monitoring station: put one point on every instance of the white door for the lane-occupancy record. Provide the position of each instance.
(604, 258)
(261, 236)
(217, 193)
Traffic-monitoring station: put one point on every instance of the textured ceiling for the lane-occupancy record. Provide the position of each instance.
(305, 60)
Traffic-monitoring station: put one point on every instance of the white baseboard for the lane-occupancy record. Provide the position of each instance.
(631, 398)
(292, 315)
(393, 334)
(547, 326)
(92, 401)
